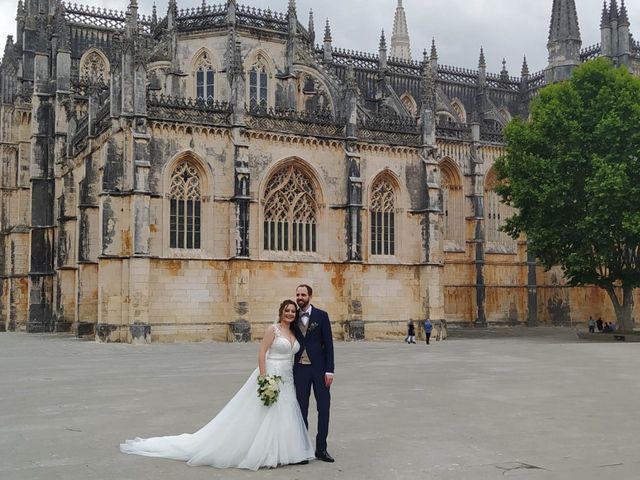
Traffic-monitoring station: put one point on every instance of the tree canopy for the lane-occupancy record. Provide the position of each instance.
(572, 170)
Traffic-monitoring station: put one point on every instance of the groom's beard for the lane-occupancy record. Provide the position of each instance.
(302, 305)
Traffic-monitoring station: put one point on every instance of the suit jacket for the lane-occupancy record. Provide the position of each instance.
(318, 342)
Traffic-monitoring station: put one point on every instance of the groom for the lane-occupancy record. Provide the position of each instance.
(313, 365)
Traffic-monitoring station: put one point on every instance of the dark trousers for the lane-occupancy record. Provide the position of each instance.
(306, 377)
(427, 336)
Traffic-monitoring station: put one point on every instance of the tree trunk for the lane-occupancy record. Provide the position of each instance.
(624, 311)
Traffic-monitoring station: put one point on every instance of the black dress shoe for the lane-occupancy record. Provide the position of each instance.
(303, 462)
(324, 456)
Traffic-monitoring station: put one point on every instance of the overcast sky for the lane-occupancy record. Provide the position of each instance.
(505, 28)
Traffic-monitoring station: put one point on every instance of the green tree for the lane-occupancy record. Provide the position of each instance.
(573, 172)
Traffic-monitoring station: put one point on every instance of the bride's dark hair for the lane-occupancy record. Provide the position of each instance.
(283, 305)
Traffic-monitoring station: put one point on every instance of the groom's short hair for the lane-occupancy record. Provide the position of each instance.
(309, 289)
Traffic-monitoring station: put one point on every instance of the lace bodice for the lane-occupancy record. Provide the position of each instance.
(280, 356)
(281, 344)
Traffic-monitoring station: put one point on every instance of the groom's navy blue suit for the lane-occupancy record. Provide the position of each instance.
(318, 344)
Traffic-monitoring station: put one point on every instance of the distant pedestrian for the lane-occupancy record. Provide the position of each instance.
(411, 332)
(599, 324)
(606, 328)
(428, 327)
(592, 325)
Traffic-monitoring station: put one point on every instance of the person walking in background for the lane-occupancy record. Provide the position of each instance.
(599, 324)
(592, 325)
(411, 332)
(428, 327)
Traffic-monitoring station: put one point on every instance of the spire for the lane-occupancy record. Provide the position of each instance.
(613, 12)
(172, 11)
(564, 21)
(8, 48)
(564, 41)
(292, 6)
(400, 41)
(312, 28)
(624, 17)
(382, 51)
(383, 41)
(525, 67)
(482, 63)
(604, 20)
(504, 73)
(434, 51)
(327, 32)
(327, 48)
(482, 68)
(131, 23)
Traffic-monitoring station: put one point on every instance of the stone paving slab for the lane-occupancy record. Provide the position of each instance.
(538, 405)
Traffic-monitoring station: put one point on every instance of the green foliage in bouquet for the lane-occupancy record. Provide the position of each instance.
(268, 389)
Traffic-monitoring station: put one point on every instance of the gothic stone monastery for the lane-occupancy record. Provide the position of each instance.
(175, 177)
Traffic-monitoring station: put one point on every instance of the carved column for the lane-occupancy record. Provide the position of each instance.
(41, 274)
(355, 327)
(66, 273)
(477, 201)
(354, 207)
(239, 326)
(140, 264)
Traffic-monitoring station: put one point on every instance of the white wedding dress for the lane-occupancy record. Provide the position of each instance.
(245, 434)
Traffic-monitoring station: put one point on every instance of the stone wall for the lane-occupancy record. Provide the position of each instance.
(199, 299)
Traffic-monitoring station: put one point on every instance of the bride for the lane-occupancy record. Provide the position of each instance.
(245, 433)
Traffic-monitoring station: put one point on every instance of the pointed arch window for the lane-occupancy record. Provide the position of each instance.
(459, 110)
(410, 104)
(185, 200)
(290, 212)
(496, 213)
(205, 78)
(383, 221)
(258, 85)
(94, 67)
(452, 204)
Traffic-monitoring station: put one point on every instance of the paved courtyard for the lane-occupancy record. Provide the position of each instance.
(530, 405)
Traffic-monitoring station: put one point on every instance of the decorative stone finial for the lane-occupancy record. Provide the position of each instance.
(482, 63)
(525, 67)
(327, 32)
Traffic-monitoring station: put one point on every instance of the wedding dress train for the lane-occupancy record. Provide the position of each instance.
(245, 433)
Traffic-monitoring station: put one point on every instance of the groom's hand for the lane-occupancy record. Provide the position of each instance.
(328, 380)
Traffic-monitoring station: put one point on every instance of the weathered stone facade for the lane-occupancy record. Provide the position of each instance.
(175, 178)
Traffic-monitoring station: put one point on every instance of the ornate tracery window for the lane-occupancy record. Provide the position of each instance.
(452, 203)
(410, 104)
(382, 212)
(459, 110)
(290, 212)
(258, 84)
(205, 77)
(94, 67)
(496, 213)
(185, 199)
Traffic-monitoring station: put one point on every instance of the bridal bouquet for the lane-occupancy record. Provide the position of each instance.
(268, 389)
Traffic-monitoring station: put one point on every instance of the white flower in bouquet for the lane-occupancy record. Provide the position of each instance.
(268, 389)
